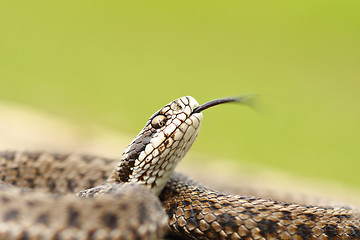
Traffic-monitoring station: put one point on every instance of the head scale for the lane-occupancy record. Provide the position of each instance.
(169, 133)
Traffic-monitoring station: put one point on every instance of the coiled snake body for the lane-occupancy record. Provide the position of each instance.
(120, 197)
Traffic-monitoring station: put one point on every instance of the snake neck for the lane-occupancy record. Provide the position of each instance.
(152, 156)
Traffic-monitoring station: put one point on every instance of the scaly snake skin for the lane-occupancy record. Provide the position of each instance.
(37, 200)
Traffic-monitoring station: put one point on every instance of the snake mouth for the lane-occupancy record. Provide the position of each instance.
(240, 99)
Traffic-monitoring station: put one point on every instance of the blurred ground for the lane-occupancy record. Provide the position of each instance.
(24, 128)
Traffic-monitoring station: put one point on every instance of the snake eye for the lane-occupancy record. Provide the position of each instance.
(158, 121)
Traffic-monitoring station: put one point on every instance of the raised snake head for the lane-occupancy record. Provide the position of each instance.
(152, 156)
(168, 134)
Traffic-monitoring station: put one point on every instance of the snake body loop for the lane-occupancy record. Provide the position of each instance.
(117, 199)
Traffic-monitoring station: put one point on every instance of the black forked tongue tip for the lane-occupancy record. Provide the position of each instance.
(245, 99)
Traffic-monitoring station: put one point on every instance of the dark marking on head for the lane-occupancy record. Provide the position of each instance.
(133, 154)
(182, 101)
(175, 105)
(164, 112)
(166, 142)
(110, 220)
(141, 178)
(126, 169)
(11, 215)
(136, 148)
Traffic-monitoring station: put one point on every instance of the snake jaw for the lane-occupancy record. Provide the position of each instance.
(152, 156)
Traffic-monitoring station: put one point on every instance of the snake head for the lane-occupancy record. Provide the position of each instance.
(168, 134)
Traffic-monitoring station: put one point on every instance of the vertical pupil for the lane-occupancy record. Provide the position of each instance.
(158, 121)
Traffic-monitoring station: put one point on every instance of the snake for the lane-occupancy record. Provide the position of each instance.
(59, 196)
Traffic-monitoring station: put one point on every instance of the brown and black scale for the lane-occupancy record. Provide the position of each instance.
(198, 212)
(137, 146)
(195, 211)
(27, 214)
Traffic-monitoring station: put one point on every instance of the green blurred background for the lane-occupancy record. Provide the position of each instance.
(114, 63)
